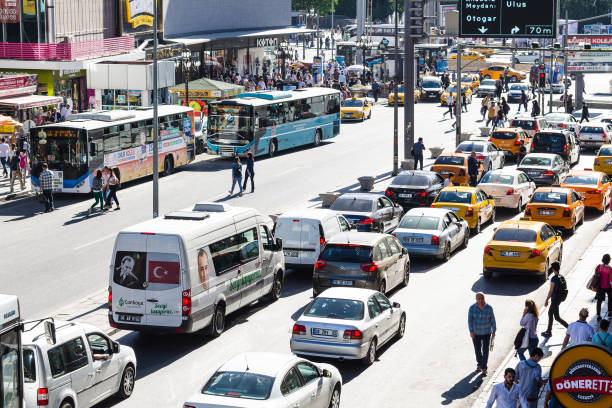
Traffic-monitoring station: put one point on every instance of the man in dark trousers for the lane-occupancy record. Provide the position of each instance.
(375, 90)
(585, 112)
(417, 152)
(473, 169)
(554, 295)
(250, 172)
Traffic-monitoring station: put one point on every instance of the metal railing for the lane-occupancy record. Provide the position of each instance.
(67, 51)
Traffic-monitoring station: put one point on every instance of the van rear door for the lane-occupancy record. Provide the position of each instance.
(128, 277)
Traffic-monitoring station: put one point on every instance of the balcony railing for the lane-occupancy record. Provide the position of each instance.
(67, 51)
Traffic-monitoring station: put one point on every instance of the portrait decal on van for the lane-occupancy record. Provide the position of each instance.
(130, 268)
(204, 267)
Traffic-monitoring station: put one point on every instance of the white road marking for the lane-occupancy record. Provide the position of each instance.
(94, 242)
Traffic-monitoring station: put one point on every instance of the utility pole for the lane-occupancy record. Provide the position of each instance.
(395, 79)
(155, 120)
(552, 73)
(565, 61)
(458, 87)
(317, 39)
(332, 30)
(408, 81)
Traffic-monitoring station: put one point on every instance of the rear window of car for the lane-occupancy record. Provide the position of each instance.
(470, 147)
(591, 129)
(349, 103)
(515, 235)
(554, 117)
(411, 180)
(330, 308)
(605, 151)
(352, 204)
(549, 197)
(518, 87)
(489, 82)
(450, 160)
(494, 178)
(454, 197)
(346, 253)
(239, 385)
(419, 222)
(430, 84)
(525, 124)
(588, 180)
(550, 139)
(535, 161)
(504, 135)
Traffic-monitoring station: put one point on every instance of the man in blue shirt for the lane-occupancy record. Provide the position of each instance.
(481, 323)
(417, 152)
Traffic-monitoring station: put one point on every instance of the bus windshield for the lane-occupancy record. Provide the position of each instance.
(230, 123)
(61, 148)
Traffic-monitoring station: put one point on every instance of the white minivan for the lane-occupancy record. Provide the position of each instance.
(189, 269)
(304, 233)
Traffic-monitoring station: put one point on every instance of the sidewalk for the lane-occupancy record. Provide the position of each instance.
(579, 297)
(5, 194)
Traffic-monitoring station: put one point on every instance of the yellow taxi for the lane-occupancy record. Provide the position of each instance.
(522, 246)
(470, 203)
(593, 186)
(454, 166)
(468, 55)
(509, 139)
(445, 98)
(495, 72)
(400, 96)
(603, 161)
(557, 206)
(356, 109)
(487, 52)
(473, 81)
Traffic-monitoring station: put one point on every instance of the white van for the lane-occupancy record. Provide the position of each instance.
(304, 233)
(189, 269)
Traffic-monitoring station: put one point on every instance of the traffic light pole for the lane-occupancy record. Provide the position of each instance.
(395, 113)
(408, 79)
(458, 85)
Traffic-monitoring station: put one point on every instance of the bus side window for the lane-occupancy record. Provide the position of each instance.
(318, 106)
(125, 136)
(306, 108)
(111, 140)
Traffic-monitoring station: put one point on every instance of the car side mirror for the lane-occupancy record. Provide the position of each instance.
(278, 244)
(558, 233)
(396, 305)
(405, 251)
(115, 347)
(326, 373)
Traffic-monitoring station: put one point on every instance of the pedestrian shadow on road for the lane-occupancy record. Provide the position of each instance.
(464, 388)
(83, 216)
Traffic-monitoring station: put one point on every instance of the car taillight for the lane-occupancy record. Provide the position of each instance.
(488, 251)
(510, 192)
(594, 192)
(299, 329)
(564, 149)
(187, 302)
(461, 172)
(531, 149)
(535, 252)
(596, 163)
(390, 193)
(469, 212)
(528, 211)
(110, 298)
(353, 335)
(480, 157)
(517, 143)
(536, 126)
(188, 406)
(421, 194)
(367, 221)
(435, 240)
(322, 241)
(566, 212)
(369, 266)
(42, 397)
(547, 173)
(603, 136)
(562, 125)
(320, 264)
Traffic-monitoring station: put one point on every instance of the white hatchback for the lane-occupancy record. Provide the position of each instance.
(509, 188)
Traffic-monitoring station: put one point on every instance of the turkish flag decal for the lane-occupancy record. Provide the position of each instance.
(164, 272)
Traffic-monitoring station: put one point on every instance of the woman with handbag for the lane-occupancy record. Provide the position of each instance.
(530, 322)
(605, 275)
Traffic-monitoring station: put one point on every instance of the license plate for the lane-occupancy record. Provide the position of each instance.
(292, 254)
(445, 172)
(405, 195)
(342, 282)
(227, 154)
(412, 240)
(325, 332)
(534, 173)
(608, 161)
(511, 253)
(497, 200)
(454, 209)
(432, 96)
(348, 115)
(546, 212)
(130, 318)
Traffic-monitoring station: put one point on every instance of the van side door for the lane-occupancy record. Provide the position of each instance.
(69, 362)
(250, 279)
(268, 258)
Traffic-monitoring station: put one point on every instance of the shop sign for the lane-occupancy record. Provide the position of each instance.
(16, 85)
(581, 376)
(164, 53)
(138, 16)
(10, 11)
(29, 7)
(594, 40)
(267, 42)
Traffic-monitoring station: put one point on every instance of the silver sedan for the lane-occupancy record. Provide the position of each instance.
(432, 232)
(487, 153)
(347, 323)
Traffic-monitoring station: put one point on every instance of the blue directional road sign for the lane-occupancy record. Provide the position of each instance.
(507, 18)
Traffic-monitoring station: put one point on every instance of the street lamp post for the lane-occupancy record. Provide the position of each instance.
(186, 61)
(363, 44)
(281, 53)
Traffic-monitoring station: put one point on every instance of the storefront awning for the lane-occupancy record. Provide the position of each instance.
(30, 101)
(208, 37)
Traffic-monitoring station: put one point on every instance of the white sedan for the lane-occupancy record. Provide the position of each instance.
(272, 380)
(487, 153)
(509, 188)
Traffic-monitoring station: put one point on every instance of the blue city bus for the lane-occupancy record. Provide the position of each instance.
(266, 122)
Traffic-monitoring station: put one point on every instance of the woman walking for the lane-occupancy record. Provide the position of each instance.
(605, 277)
(236, 175)
(97, 187)
(250, 172)
(114, 182)
(530, 322)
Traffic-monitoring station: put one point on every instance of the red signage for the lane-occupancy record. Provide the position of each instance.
(18, 84)
(599, 385)
(164, 272)
(594, 40)
(10, 11)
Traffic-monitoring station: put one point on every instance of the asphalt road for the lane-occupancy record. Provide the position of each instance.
(63, 256)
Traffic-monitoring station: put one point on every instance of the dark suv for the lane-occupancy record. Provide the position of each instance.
(415, 188)
(561, 142)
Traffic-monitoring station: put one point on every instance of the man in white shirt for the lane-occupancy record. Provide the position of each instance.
(579, 330)
(4, 149)
(507, 394)
(342, 78)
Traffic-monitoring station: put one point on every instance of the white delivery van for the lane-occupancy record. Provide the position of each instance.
(304, 233)
(189, 269)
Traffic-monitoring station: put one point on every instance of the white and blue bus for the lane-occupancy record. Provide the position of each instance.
(266, 122)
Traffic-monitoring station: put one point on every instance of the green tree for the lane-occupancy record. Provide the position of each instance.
(324, 6)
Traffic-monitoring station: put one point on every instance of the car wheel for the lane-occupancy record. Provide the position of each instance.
(406, 275)
(168, 166)
(477, 228)
(466, 238)
(370, 115)
(401, 327)
(519, 206)
(488, 275)
(127, 382)
(382, 287)
(272, 148)
(493, 216)
(544, 277)
(503, 162)
(317, 138)
(277, 286)
(217, 325)
(572, 229)
(334, 401)
(447, 253)
(581, 219)
(560, 257)
(66, 404)
(370, 357)
(489, 167)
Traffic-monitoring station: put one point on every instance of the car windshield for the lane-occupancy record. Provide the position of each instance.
(536, 161)
(496, 178)
(352, 204)
(605, 151)
(346, 253)
(430, 84)
(550, 139)
(591, 129)
(411, 180)
(556, 117)
(518, 87)
(489, 82)
(504, 135)
(470, 147)
(588, 180)
(330, 308)
(419, 222)
(451, 89)
(349, 103)
(515, 235)
(464, 197)
(549, 197)
(526, 124)
(450, 160)
(239, 385)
